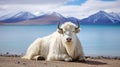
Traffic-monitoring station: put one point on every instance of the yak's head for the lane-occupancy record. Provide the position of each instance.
(68, 31)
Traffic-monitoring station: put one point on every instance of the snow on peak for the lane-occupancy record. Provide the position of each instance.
(38, 13)
(55, 14)
(22, 14)
(16, 17)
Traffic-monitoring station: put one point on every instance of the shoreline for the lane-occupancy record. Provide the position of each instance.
(87, 57)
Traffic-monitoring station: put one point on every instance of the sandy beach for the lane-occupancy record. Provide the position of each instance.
(16, 61)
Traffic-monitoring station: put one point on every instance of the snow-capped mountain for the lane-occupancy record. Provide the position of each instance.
(52, 14)
(48, 18)
(38, 13)
(101, 17)
(115, 15)
(17, 17)
(3, 17)
(73, 19)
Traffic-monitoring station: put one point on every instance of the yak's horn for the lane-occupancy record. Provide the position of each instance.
(59, 26)
(78, 25)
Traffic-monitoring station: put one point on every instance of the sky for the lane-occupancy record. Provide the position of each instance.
(68, 8)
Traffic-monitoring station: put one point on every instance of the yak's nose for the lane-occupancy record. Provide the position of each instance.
(69, 39)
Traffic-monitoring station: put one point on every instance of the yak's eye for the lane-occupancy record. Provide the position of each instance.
(73, 31)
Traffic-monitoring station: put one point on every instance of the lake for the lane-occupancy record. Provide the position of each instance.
(97, 40)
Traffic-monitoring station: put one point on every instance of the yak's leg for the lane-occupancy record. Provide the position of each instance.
(29, 57)
(33, 50)
(81, 57)
(67, 58)
(64, 57)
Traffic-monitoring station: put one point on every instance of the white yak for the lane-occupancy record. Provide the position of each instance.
(63, 44)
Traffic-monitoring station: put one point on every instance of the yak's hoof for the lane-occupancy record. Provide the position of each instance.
(40, 58)
(82, 60)
(68, 59)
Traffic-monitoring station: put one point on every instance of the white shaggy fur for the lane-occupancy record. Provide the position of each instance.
(55, 47)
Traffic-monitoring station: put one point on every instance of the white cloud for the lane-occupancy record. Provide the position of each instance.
(30, 8)
(32, 1)
(80, 11)
(89, 7)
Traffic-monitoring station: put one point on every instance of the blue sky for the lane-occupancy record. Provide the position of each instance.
(79, 2)
(75, 2)
(108, 0)
(75, 8)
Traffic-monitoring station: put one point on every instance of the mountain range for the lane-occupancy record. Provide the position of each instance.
(27, 18)
(16, 17)
(102, 17)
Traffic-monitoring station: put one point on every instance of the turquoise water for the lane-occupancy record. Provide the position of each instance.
(96, 40)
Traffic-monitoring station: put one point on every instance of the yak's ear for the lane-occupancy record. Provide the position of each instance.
(60, 31)
(77, 30)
